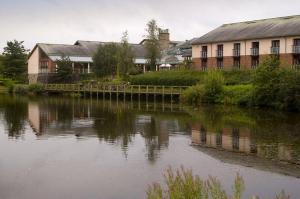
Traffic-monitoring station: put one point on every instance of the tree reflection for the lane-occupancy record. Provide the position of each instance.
(14, 114)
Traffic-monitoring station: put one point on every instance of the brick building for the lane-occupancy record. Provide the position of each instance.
(243, 45)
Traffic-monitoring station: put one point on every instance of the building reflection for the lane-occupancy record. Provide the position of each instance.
(239, 140)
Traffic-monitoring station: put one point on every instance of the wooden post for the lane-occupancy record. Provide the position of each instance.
(103, 91)
(171, 94)
(117, 93)
(131, 91)
(124, 94)
(97, 90)
(163, 94)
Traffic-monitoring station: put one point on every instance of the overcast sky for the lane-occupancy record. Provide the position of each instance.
(65, 21)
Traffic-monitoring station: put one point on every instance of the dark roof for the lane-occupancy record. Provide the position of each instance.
(62, 49)
(83, 49)
(91, 47)
(258, 29)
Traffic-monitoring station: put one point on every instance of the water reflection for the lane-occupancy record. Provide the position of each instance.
(112, 122)
(230, 136)
(226, 133)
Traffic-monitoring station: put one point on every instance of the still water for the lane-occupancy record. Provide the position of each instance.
(74, 148)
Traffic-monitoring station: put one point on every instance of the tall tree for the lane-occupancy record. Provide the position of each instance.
(64, 69)
(106, 60)
(152, 44)
(15, 58)
(1, 65)
(125, 56)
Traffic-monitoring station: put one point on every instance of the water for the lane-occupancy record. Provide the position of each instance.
(75, 148)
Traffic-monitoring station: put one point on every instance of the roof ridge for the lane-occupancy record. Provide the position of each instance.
(260, 20)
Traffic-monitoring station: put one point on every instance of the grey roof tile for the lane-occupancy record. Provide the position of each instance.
(258, 29)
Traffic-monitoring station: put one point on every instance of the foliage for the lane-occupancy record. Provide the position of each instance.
(183, 184)
(106, 60)
(152, 44)
(237, 94)
(14, 61)
(213, 85)
(125, 57)
(1, 65)
(275, 86)
(235, 77)
(36, 88)
(64, 69)
(8, 83)
(169, 78)
(193, 95)
(21, 89)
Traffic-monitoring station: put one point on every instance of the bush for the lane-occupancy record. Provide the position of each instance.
(213, 85)
(275, 86)
(21, 89)
(36, 88)
(182, 184)
(237, 94)
(169, 78)
(193, 95)
(235, 77)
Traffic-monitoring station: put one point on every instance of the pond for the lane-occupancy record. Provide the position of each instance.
(53, 147)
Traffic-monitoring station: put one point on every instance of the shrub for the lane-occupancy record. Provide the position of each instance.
(21, 89)
(36, 88)
(213, 85)
(235, 77)
(275, 86)
(237, 94)
(182, 184)
(193, 95)
(169, 78)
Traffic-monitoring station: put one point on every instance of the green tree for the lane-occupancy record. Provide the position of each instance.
(1, 65)
(106, 60)
(125, 57)
(15, 58)
(64, 69)
(152, 44)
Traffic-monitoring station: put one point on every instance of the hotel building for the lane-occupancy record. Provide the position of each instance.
(244, 45)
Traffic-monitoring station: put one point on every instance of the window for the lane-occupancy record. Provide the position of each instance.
(254, 62)
(237, 62)
(255, 49)
(204, 64)
(296, 42)
(275, 43)
(275, 49)
(204, 52)
(236, 49)
(220, 63)
(43, 66)
(296, 47)
(296, 61)
(220, 50)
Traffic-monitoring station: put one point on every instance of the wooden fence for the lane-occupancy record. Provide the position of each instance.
(116, 89)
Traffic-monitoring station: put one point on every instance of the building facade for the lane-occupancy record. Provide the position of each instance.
(42, 59)
(244, 45)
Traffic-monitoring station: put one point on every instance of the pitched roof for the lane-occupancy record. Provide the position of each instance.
(258, 29)
(62, 49)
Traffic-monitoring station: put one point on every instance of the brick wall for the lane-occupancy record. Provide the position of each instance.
(245, 62)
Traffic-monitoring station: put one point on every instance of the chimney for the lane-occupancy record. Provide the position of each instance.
(164, 39)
